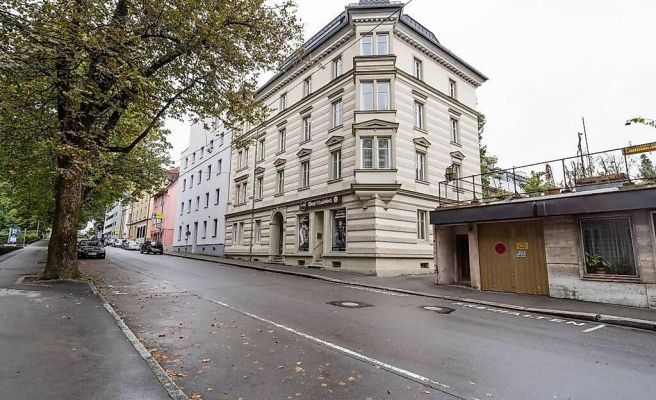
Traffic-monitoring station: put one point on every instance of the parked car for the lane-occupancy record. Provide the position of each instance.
(152, 247)
(132, 245)
(119, 243)
(90, 249)
(110, 242)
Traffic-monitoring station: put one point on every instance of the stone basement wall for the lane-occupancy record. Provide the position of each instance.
(566, 269)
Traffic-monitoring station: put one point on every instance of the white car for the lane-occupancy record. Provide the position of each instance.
(132, 245)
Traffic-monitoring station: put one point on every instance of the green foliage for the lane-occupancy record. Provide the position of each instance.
(646, 168)
(85, 86)
(596, 261)
(535, 183)
(488, 161)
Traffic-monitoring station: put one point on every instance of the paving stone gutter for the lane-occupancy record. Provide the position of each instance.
(587, 316)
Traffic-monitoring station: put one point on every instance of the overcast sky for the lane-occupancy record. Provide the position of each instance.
(549, 62)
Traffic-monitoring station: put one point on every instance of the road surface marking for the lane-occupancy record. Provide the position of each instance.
(378, 291)
(351, 353)
(16, 292)
(594, 328)
(522, 314)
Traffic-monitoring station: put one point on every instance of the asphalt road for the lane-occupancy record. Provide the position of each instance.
(228, 332)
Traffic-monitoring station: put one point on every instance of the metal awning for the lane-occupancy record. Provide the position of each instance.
(567, 204)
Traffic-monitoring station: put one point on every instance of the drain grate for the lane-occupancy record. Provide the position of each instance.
(438, 309)
(348, 304)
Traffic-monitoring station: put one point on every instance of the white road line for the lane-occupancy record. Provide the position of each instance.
(351, 353)
(594, 328)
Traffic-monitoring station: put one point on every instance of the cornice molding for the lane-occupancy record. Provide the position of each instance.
(279, 162)
(304, 153)
(334, 140)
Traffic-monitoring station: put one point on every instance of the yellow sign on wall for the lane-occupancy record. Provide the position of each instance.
(640, 148)
(521, 245)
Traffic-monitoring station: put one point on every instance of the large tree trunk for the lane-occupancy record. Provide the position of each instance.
(62, 249)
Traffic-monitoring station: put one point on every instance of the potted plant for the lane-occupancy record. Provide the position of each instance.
(596, 263)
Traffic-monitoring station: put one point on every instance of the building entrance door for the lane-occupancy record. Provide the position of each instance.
(277, 243)
(462, 259)
(317, 235)
(194, 238)
(512, 257)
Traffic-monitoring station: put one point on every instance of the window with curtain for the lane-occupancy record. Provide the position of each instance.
(608, 246)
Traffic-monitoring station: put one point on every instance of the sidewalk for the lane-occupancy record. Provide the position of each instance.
(423, 285)
(58, 342)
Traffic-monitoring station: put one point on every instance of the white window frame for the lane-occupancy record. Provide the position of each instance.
(260, 187)
(453, 89)
(305, 174)
(380, 35)
(375, 159)
(417, 69)
(215, 227)
(258, 230)
(307, 86)
(371, 43)
(307, 128)
(235, 239)
(337, 112)
(204, 229)
(422, 232)
(280, 181)
(207, 199)
(282, 140)
(262, 144)
(282, 102)
(336, 164)
(375, 94)
(338, 66)
(455, 131)
(420, 165)
(420, 117)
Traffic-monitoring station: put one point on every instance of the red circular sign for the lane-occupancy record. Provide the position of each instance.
(500, 248)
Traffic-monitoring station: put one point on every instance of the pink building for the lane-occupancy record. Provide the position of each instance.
(163, 217)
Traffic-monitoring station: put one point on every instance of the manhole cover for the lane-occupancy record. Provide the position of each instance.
(349, 304)
(438, 309)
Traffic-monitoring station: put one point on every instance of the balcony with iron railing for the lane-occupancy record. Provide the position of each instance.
(608, 170)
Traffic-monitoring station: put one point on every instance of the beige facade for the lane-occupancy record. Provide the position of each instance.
(344, 172)
(139, 218)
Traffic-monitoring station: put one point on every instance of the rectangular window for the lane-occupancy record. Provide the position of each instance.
(261, 151)
(209, 171)
(421, 166)
(221, 138)
(304, 232)
(367, 95)
(383, 153)
(307, 128)
(337, 113)
(181, 208)
(337, 67)
(367, 45)
(307, 86)
(456, 176)
(215, 227)
(368, 153)
(207, 199)
(240, 159)
(204, 229)
(419, 115)
(202, 152)
(241, 232)
(179, 232)
(193, 157)
(258, 231)
(238, 193)
(608, 246)
(219, 166)
(282, 140)
(336, 165)
(246, 157)
(197, 202)
(243, 190)
(421, 224)
(382, 44)
(217, 194)
(191, 183)
(280, 181)
(189, 206)
(452, 88)
(417, 69)
(339, 230)
(184, 185)
(260, 187)
(455, 135)
(200, 176)
(305, 174)
(383, 98)
(283, 101)
(234, 234)
(186, 162)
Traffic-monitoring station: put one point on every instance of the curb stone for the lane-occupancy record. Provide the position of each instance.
(171, 387)
(608, 319)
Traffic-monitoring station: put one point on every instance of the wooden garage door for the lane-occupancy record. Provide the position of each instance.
(512, 257)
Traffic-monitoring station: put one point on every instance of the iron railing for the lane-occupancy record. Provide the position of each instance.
(589, 171)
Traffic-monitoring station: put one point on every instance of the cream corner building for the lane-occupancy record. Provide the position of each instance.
(345, 170)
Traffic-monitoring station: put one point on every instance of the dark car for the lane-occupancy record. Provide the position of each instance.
(90, 249)
(152, 247)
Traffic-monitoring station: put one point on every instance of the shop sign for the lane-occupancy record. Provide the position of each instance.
(324, 201)
(641, 148)
(521, 245)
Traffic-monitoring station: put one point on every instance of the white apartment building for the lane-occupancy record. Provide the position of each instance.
(202, 191)
(113, 221)
(363, 127)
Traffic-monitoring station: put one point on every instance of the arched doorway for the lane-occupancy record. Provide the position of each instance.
(277, 233)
